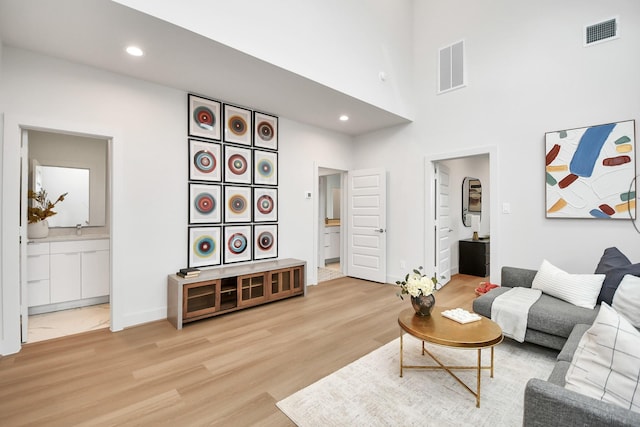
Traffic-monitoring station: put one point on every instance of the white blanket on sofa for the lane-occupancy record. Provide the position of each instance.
(511, 309)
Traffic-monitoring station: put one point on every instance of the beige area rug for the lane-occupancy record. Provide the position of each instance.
(370, 392)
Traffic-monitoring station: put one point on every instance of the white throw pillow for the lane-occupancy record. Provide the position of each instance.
(577, 289)
(606, 364)
(626, 300)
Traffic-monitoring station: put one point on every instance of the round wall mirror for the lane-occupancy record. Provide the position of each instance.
(471, 199)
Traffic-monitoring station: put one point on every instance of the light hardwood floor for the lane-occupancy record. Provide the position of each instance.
(228, 370)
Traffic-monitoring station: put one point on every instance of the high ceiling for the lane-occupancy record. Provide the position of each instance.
(95, 33)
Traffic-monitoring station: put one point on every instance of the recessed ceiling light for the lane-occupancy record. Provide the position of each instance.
(344, 118)
(134, 51)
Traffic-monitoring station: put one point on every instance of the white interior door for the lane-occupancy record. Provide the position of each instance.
(443, 224)
(367, 224)
(24, 184)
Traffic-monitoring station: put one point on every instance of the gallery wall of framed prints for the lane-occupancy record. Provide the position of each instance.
(233, 183)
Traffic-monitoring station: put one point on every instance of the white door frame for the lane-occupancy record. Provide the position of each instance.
(13, 125)
(494, 219)
(312, 273)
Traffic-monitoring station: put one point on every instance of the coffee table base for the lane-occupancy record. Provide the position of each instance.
(478, 368)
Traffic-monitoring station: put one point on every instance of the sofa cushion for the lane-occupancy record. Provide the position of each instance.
(614, 265)
(557, 317)
(569, 348)
(549, 315)
(515, 276)
(606, 365)
(482, 304)
(611, 258)
(577, 289)
(626, 300)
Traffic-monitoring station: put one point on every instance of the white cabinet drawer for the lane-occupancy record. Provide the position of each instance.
(38, 292)
(79, 246)
(37, 248)
(94, 245)
(37, 267)
(64, 247)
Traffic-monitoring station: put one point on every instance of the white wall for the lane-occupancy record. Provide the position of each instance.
(304, 150)
(341, 44)
(528, 73)
(147, 121)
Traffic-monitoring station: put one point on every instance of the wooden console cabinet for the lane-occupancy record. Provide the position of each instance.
(227, 289)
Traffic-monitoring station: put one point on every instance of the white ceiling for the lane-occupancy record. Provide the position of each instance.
(95, 32)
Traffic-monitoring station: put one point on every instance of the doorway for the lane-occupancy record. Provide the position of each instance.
(330, 219)
(480, 163)
(65, 275)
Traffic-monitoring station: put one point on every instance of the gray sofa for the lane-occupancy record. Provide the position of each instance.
(559, 325)
(548, 403)
(550, 320)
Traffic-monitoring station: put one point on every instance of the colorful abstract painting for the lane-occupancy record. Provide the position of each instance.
(237, 125)
(237, 244)
(204, 161)
(265, 204)
(589, 172)
(204, 117)
(237, 165)
(266, 131)
(237, 204)
(204, 246)
(204, 204)
(232, 183)
(265, 241)
(266, 168)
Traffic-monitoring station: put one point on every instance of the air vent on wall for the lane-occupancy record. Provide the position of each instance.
(600, 32)
(451, 73)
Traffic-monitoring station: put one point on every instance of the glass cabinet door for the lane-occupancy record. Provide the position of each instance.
(285, 282)
(199, 298)
(252, 288)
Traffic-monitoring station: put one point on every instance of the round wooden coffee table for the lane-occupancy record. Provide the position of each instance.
(437, 329)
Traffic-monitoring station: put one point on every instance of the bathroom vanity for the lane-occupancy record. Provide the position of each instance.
(67, 272)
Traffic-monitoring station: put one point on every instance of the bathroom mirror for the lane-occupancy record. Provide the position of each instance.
(471, 199)
(58, 180)
(76, 154)
(332, 196)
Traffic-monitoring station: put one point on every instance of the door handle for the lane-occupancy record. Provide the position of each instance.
(380, 230)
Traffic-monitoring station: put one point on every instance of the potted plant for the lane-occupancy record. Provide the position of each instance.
(421, 289)
(39, 210)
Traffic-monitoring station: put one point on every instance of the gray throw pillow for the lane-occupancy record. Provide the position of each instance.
(614, 265)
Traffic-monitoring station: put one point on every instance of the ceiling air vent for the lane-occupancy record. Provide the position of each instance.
(600, 32)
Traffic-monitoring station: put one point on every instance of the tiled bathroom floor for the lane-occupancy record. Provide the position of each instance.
(329, 272)
(68, 322)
